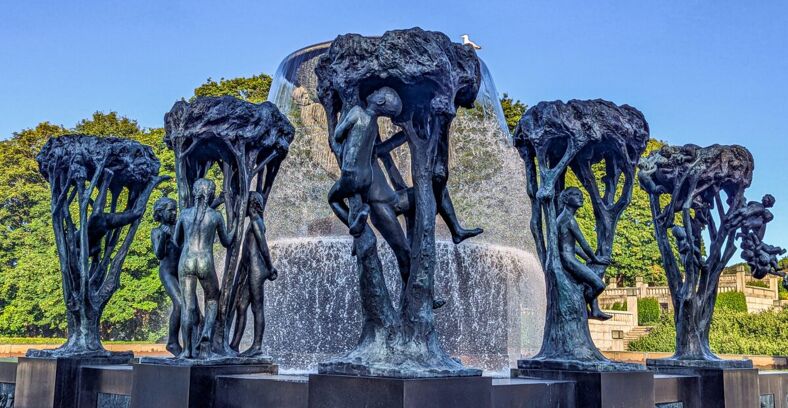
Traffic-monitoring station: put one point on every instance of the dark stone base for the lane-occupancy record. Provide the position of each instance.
(532, 392)
(54, 382)
(575, 365)
(338, 391)
(183, 385)
(656, 363)
(603, 389)
(674, 388)
(105, 386)
(774, 384)
(721, 388)
(262, 390)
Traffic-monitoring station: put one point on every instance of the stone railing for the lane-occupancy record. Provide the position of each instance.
(758, 298)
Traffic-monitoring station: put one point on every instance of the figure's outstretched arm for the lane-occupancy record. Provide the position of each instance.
(225, 237)
(582, 241)
(118, 220)
(177, 234)
(258, 228)
(395, 141)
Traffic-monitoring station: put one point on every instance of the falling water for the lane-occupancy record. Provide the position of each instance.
(493, 283)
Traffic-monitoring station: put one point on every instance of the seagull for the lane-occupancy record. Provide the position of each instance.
(467, 41)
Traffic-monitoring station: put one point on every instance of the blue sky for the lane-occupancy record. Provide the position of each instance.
(701, 72)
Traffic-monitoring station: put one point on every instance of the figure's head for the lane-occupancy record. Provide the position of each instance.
(385, 102)
(165, 210)
(768, 201)
(204, 190)
(256, 203)
(572, 197)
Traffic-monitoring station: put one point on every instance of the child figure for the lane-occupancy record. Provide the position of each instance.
(569, 235)
(355, 137)
(197, 228)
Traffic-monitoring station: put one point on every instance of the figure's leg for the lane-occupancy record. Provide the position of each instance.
(210, 287)
(189, 296)
(449, 216)
(385, 220)
(593, 285)
(257, 275)
(170, 283)
(240, 317)
(359, 220)
(336, 199)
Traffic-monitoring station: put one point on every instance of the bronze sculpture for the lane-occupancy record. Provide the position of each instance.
(553, 138)
(168, 252)
(398, 343)
(257, 268)
(247, 142)
(92, 247)
(706, 188)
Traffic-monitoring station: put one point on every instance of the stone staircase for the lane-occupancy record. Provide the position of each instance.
(636, 333)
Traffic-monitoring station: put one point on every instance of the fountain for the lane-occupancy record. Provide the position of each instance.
(493, 283)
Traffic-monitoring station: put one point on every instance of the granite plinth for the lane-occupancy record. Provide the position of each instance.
(532, 392)
(676, 388)
(162, 384)
(602, 389)
(774, 383)
(722, 388)
(339, 391)
(262, 390)
(657, 363)
(55, 381)
(105, 386)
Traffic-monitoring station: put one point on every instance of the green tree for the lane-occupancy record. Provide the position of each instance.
(512, 110)
(253, 89)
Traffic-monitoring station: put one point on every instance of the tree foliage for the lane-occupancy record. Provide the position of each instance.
(253, 89)
(512, 110)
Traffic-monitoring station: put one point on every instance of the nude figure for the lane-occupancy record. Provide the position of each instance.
(354, 140)
(569, 237)
(198, 227)
(167, 251)
(257, 265)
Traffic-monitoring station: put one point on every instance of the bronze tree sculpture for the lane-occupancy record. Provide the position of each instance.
(89, 177)
(419, 79)
(694, 179)
(552, 138)
(248, 143)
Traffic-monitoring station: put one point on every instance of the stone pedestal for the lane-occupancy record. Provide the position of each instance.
(7, 382)
(773, 387)
(532, 392)
(674, 389)
(602, 389)
(43, 382)
(180, 384)
(105, 386)
(338, 391)
(721, 387)
(262, 390)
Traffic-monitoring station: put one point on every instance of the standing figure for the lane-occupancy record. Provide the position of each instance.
(354, 142)
(257, 268)
(569, 236)
(198, 227)
(167, 251)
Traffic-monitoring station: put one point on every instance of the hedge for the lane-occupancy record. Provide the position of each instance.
(733, 301)
(648, 311)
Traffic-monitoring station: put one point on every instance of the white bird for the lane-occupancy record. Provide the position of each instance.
(467, 41)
